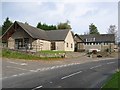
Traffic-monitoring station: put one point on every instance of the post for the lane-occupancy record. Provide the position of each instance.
(36, 47)
(110, 49)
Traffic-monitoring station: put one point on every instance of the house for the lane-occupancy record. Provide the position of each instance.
(23, 36)
(100, 42)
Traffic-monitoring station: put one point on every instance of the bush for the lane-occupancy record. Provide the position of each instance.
(107, 50)
(99, 55)
(94, 51)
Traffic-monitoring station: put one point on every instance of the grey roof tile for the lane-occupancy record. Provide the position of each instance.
(53, 35)
(34, 32)
(99, 38)
(56, 35)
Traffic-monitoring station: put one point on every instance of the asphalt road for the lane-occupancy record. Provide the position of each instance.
(85, 75)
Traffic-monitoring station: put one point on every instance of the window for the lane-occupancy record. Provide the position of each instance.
(94, 43)
(18, 43)
(71, 45)
(104, 43)
(26, 40)
(91, 39)
(26, 43)
(67, 44)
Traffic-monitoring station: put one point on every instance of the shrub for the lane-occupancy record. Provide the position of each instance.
(94, 51)
(99, 55)
(107, 50)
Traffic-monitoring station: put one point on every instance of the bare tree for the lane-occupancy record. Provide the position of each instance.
(113, 30)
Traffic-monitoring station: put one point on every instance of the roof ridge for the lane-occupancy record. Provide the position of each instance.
(30, 25)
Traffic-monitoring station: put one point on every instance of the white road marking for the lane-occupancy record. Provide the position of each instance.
(18, 68)
(110, 62)
(32, 70)
(65, 65)
(72, 63)
(17, 63)
(37, 87)
(38, 70)
(52, 67)
(21, 74)
(14, 75)
(69, 64)
(71, 75)
(3, 77)
(95, 66)
(51, 82)
(48, 68)
(57, 66)
(23, 64)
(59, 86)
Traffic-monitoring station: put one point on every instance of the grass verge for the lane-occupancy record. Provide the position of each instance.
(51, 52)
(113, 83)
(19, 55)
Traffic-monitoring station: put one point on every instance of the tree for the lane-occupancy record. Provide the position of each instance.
(64, 25)
(113, 30)
(46, 27)
(39, 25)
(0, 30)
(26, 23)
(93, 29)
(7, 23)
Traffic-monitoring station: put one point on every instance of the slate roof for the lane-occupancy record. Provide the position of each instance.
(98, 38)
(52, 35)
(34, 32)
(79, 38)
(55, 35)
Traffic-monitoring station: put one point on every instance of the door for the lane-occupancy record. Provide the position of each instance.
(52, 45)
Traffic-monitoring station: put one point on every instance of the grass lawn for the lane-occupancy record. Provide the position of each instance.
(19, 55)
(113, 82)
(51, 52)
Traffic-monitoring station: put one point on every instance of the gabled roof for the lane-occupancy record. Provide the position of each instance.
(98, 38)
(56, 35)
(79, 38)
(34, 32)
(53, 35)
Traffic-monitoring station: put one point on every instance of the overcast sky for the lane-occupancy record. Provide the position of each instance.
(80, 14)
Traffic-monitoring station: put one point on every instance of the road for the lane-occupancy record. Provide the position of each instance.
(85, 75)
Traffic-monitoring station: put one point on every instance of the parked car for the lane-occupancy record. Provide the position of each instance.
(91, 50)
